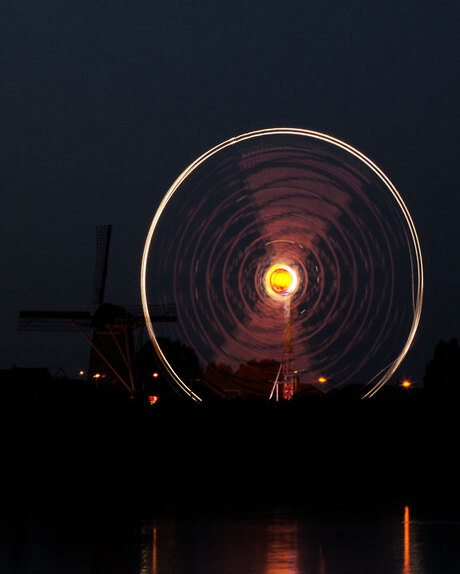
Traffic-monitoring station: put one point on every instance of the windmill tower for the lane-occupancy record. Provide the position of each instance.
(114, 332)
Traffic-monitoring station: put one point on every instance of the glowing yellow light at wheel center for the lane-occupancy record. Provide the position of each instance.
(281, 280)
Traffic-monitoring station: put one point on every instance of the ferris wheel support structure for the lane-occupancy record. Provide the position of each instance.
(287, 377)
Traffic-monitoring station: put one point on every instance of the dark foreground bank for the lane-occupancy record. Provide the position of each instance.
(120, 454)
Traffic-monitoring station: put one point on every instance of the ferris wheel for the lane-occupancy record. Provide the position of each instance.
(292, 261)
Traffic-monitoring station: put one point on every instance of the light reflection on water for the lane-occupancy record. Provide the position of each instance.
(232, 543)
(282, 544)
(282, 548)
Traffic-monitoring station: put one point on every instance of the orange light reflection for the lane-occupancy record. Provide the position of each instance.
(154, 551)
(282, 548)
(406, 568)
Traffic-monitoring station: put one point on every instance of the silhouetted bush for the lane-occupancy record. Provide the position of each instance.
(443, 371)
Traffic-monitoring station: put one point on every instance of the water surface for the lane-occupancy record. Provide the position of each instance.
(233, 542)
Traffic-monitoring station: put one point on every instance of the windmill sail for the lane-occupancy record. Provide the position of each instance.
(53, 320)
(103, 235)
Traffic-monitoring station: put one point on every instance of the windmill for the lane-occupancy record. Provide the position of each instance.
(114, 332)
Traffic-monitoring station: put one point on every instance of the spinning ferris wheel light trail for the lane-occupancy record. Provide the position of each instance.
(293, 220)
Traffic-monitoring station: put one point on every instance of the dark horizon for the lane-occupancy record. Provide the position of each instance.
(148, 381)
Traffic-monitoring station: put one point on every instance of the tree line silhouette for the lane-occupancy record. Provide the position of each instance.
(255, 377)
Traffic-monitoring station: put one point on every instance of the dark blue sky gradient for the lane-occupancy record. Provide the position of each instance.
(103, 104)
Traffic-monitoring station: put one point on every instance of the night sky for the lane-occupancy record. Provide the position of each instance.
(103, 104)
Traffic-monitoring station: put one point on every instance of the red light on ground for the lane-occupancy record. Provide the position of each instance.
(406, 384)
(322, 380)
(153, 399)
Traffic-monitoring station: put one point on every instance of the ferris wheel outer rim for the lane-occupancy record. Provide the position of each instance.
(417, 296)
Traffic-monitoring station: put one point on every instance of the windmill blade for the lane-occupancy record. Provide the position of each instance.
(165, 313)
(110, 319)
(103, 235)
(53, 320)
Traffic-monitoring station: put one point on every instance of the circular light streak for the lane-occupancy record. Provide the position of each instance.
(281, 280)
(277, 200)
